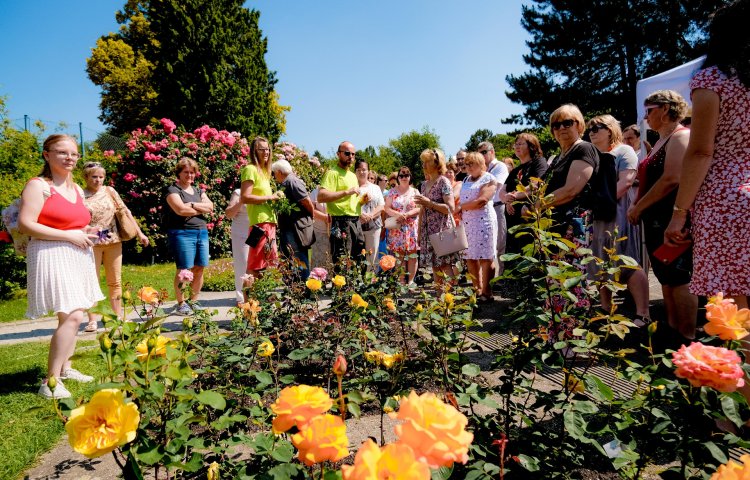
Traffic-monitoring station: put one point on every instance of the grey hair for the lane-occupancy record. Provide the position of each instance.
(282, 166)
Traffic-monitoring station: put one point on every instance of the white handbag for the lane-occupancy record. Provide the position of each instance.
(449, 241)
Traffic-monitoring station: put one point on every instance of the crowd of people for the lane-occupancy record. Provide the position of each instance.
(681, 206)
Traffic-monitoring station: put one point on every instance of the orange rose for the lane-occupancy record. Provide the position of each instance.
(297, 405)
(358, 301)
(724, 320)
(339, 366)
(103, 424)
(322, 438)
(390, 304)
(434, 430)
(387, 262)
(715, 367)
(394, 460)
(148, 295)
(732, 470)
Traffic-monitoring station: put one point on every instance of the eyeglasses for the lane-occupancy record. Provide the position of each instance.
(92, 165)
(73, 155)
(649, 108)
(519, 144)
(362, 170)
(348, 154)
(404, 175)
(596, 127)
(483, 152)
(263, 149)
(563, 124)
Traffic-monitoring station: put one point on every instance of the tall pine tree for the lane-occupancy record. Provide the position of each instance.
(593, 53)
(204, 61)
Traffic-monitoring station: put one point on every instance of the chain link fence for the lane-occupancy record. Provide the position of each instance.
(88, 136)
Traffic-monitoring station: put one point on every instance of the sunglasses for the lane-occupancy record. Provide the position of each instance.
(563, 124)
(483, 152)
(404, 175)
(596, 127)
(649, 108)
(348, 154)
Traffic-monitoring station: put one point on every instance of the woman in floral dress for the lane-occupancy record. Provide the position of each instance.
(437, 204)
(402, 240)
(480, 223)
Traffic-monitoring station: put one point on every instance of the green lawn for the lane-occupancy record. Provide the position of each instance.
(28, 422)
(159, 276)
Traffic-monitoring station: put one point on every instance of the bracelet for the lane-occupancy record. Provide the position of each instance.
(679, 209)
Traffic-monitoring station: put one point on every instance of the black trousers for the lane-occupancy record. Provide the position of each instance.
(347, 239)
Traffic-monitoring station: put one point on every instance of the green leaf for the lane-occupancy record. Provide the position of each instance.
(531, 464)
(471, 370)
(575, 425)
(283, 452)
(264, 378)
(332, 475)
(729, 407)
(716, 452)
(149, 455)
(598, 388)
(286, 471)
(585, 406)
(442, 473)
(354, 409)
(300, 354)
(213, 399)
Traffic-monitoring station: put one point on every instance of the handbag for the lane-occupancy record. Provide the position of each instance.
(449, 241)
(127, 229)
(255, 235)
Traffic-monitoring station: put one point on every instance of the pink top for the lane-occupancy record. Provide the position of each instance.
(57, 212)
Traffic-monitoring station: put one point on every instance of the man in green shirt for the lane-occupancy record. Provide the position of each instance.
(339, 189)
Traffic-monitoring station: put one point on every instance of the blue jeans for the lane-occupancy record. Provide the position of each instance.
(189, 247)
(290, 247)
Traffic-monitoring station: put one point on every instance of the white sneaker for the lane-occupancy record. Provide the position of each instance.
(60, 390)
(183, 309)
(73, 374)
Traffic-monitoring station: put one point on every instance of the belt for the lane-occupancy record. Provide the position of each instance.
(343, 217)
(497, 203)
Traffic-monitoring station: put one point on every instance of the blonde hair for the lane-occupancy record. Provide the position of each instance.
(475, 157)
(49, 142)
(678, 107)
(434, 156)
(572, 111)
(91, 167)
(615, 132)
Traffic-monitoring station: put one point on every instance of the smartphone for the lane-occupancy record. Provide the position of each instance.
(667, 254)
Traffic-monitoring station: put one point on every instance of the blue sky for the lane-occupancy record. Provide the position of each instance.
(362, 70)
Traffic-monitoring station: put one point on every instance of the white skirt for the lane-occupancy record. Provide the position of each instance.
(60, 278)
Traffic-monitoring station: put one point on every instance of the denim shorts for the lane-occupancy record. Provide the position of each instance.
(189, 247)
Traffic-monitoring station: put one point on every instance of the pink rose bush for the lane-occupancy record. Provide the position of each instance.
(706, 366)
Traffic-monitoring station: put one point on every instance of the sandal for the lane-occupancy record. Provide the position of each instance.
(641, 321)
(91, 327)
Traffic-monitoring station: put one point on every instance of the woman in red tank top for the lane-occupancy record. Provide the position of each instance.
(60, 265)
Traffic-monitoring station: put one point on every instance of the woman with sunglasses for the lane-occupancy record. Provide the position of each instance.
(402, 239)
(605, 134)
(658, 179)
(103, 201)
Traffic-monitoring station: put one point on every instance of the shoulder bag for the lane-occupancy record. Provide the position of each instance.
(449, 241)
(127, 229)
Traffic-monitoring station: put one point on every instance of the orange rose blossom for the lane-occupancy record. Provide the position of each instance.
(297, 405)
(322, 438)
(394, 461)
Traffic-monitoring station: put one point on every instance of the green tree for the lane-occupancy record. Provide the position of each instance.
(407, 147)
(481, 135)
(593, 53)
(193, 61)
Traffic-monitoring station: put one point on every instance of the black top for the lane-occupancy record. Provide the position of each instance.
(557, 174)
(295, 191)
(172, 221)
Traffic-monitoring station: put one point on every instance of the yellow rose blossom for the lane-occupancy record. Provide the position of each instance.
(733, 470)
(448, 297)
(419, 307)
(251, 308)
(393, 461)
(339, 281)
(213, 471)
(266, 349)
(357, 301)
(148, 295)
(159, 348)
(322, 438)
(103, 424)
(576, 384)
(435, 430)
(389, 304)
(297, 405)
(373, 356)
(314, 284)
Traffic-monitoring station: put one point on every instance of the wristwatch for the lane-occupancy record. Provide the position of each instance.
(192, 205)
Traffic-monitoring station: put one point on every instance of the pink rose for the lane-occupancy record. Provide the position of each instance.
(319, 273)
(715, 367)
(168, 125)
(210, 226)
(109, 153)
(129, 177)
(184, 276)
(193, 146)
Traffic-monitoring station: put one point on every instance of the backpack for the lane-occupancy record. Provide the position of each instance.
(601, 195)
(10, 219)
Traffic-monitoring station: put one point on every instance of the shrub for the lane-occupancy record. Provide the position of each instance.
(219, 276)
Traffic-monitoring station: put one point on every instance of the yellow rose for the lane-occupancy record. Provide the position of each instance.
(373, 356)
(339, 281)
(434, 430)
(265, 349)
(158, 349)
(250, 309)
(733, 470)
(314, 284)
(448, 297)
(148, 295)
(322, 438)
(213, 471)
(357, 301)
(103, 424)
(297, 405)
(390, 305)
(389, 360)
(394, 460)
(419, 307)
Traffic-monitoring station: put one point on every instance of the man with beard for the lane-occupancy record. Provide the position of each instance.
(339, 189)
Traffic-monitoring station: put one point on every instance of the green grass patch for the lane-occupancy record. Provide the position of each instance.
(28, 422)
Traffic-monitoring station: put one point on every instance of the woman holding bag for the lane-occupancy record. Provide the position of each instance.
(437, 202)
(103, 203)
